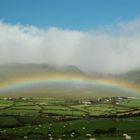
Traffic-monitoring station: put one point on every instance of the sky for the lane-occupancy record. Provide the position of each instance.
(71, 14)
(94, 35)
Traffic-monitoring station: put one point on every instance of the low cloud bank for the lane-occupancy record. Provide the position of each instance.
(111, 49)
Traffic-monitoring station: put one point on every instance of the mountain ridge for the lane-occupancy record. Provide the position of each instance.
(17, 69)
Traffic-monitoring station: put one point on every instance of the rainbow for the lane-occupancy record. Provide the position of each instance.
(63, 81)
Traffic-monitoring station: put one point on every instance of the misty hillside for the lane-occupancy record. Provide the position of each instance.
(37, 67)
(8, 71)
(132, 76)
(70, 69)
(63, 89)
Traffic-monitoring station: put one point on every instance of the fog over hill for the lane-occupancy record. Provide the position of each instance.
(15, 67)
(111, 49)
(132, 76)
(13, 70)
(68, 89)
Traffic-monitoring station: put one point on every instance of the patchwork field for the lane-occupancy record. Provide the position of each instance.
(49, 118)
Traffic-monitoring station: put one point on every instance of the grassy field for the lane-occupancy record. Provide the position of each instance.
(64, 107)
(48, 118)
(96, 128)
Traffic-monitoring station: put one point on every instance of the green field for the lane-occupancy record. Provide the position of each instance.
(65, 107)
(48, 118)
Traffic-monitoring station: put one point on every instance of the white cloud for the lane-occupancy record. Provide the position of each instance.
(112, 49)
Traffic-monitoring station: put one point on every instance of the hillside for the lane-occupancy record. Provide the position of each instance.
(10, 71)
(132, 76)
(60, 86)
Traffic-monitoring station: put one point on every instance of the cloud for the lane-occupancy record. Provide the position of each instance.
(110, 49)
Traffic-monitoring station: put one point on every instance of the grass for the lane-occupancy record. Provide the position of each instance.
(33, 118)
(64, 107)
(131, 103)
(59, 128)
(6, 121)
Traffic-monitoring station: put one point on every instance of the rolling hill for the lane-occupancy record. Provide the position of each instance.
(41, 80)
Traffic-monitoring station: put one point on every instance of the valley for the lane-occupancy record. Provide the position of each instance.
(52, 118)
